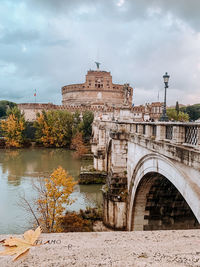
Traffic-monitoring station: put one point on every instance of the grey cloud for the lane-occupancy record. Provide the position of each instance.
(62, 39)
(10, 36)
(187, 10)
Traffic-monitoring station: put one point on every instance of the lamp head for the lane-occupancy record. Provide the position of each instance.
(166, 78)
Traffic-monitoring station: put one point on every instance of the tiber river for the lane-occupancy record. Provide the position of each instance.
(19, 168)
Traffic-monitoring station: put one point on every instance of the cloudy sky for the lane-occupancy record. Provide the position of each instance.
(45, 44)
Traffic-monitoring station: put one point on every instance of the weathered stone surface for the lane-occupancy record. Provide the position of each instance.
(113, 249)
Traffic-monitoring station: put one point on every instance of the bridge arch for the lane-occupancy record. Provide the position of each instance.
(155, 170)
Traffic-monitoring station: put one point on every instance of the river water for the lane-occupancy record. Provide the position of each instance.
(19, 168)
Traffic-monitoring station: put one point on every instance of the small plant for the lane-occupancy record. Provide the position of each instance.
(73, 222)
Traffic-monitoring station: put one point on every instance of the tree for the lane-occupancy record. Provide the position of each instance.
(177, 108)
(78, 145)
(4, 106)
(86, 125)
(53, 196)
(76, 123)
(193, 111)
(172, 115)
(13, 128)
(54, 128)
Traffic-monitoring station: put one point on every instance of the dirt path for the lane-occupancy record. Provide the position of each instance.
(141, 249)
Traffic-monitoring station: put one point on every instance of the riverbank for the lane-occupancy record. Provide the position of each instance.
(155, 249)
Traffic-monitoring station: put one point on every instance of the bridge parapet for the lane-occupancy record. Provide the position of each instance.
(175, 132)
(170, 135)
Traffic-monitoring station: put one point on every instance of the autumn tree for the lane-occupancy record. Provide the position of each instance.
(53, 197)
(78, 145)
(13, 128)
(54, 128)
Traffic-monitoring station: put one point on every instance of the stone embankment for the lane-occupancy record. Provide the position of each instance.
(90, 176)
(155, 249)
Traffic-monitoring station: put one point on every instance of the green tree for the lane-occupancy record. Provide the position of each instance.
(4, 106)
(76, 123)
(177, 107)
(193, 111)
(86, 125)
(181, 116)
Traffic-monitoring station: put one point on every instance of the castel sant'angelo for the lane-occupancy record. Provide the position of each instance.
(101, 96)
(98, 89)
(98, 93)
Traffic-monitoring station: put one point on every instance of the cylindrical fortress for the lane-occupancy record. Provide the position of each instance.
(97, 89)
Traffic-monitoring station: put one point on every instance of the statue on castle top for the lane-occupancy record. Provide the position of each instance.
(98, 64)
(127, 93)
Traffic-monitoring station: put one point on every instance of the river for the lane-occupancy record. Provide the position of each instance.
(19, 168)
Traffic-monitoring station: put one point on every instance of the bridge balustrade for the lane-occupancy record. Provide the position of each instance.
(174, 132)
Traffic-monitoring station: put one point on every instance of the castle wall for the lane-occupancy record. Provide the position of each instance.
(88, 97)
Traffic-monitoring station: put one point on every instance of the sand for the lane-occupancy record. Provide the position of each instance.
(156, 249)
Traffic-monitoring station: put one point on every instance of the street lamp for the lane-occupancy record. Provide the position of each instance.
(164, 114)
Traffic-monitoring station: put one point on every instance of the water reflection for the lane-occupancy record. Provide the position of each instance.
(18, 168)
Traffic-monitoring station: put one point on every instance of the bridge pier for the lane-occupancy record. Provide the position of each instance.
(115, 193)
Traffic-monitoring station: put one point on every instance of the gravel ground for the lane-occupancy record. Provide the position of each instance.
(156, 249)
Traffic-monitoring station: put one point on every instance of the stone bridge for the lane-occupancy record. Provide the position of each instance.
(153, 180)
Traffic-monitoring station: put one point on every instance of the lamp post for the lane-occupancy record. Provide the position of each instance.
(164, 114)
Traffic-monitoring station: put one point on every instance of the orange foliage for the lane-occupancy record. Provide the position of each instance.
(73, 222)
(54, 128)
(13, 128)
(53, 198)
(78, 145)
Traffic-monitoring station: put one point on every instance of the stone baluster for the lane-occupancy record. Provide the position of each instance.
(160, 132)
(133, 128)
(140, 129)
(148, 131)
(178, 135)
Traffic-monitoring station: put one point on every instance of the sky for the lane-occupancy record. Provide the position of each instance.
(46, 44)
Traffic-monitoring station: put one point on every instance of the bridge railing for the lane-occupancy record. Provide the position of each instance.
(174, 132)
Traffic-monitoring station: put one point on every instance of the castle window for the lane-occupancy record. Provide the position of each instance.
(95, 85)
(101, 85)
(89, 84)
(98, 85)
